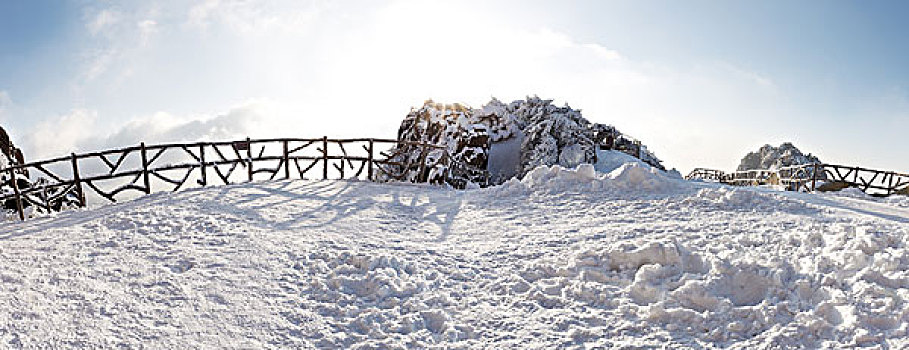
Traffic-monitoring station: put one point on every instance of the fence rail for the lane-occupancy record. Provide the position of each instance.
(132, 171)
(811, 178)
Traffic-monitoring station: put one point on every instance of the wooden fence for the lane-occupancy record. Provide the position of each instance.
(811, 178)
(120, 173)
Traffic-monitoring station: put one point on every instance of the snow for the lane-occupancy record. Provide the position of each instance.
(628, 256)
(608, 160)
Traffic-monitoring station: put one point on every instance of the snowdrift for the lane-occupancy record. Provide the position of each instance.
(564, 257)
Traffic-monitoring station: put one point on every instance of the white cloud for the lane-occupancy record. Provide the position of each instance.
(254, 17)
(5, 102)
(61, 135)
(120, 39)
(603, 51)
(98, 63)
(147, 28)
(81, 131)
(756, 77)
(102, 21)
(163, 127)
(199, 15)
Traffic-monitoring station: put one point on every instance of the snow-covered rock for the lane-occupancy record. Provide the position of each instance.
(770, 157)
(499, 141)
(9, 154)
(453, 126)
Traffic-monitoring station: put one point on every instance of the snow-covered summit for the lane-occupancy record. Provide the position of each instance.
(503, 140)
(770, 157)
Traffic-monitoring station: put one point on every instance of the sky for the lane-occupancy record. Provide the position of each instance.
(701, 83)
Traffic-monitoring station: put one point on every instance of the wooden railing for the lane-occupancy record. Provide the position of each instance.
(134, 171)
(812, 177)
(705, 174)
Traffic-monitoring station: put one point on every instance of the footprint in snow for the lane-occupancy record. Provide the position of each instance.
(182, 266)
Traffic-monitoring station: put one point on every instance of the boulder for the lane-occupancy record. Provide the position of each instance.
(904, 191)
(832, 186)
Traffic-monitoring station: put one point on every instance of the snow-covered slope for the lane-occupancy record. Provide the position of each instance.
(562, 258)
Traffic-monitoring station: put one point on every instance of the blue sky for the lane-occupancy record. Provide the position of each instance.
(701, 82)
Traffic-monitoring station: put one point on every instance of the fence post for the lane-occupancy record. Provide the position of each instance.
(15, 183)
(449, 164)
(145, 168)
(890, 184)
(814, 178)
(325, 157)
(202, 165)
(286, 161)
(249, 167)
(369, 160)
(77, 179)
(343, 159)
(46, 199)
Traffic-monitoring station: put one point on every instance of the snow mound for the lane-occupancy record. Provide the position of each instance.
(629, 177)
(608, 160)
(739, 199)
(898, 200)
(632, 176)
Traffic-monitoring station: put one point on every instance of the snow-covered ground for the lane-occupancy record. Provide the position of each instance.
(563, 258)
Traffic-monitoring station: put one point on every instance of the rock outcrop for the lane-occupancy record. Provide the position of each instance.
(453, 127)
(499, 141)
(769, 157)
